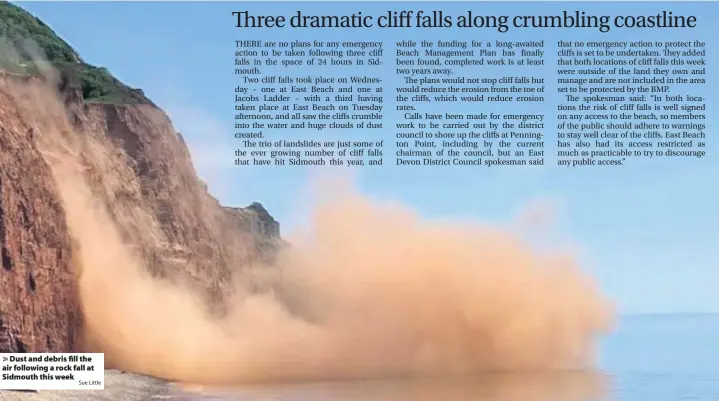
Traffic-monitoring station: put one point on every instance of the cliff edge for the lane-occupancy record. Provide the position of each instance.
(146, 181)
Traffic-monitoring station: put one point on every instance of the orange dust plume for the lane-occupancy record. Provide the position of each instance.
(367, 290)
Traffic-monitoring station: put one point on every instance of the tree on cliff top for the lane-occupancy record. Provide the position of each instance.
(24, 39)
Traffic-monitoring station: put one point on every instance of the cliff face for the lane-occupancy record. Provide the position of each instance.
(141, 170)
(38, 301)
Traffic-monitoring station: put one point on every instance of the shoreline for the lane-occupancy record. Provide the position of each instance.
(118, 386)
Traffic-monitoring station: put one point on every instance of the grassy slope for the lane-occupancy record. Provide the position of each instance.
(24, 38)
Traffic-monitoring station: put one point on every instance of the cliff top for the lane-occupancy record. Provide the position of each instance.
(25, 39)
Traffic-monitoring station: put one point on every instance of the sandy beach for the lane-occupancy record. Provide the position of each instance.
(118, 386)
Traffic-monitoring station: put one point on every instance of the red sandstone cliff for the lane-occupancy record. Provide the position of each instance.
(38, 302)
(147, 182)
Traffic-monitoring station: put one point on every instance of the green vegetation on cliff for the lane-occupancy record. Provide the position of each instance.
(24, 40)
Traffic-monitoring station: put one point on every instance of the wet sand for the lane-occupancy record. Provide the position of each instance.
(490, 387)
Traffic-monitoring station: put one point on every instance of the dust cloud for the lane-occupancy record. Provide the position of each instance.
(367, 290)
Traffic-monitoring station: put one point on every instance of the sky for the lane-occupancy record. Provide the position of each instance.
(647, 231)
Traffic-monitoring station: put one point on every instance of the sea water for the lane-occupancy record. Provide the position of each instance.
(648, 358)
(664, 358)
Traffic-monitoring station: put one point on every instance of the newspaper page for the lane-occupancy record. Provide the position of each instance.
(376, 200)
